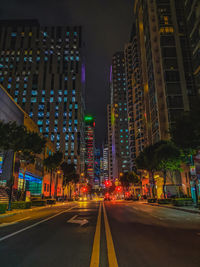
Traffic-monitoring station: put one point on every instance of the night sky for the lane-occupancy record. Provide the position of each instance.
(106, 28)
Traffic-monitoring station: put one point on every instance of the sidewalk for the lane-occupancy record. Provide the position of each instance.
(19, 211)
(190, 209)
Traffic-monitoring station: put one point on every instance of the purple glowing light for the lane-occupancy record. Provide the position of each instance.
(110, 73)
(83, 73)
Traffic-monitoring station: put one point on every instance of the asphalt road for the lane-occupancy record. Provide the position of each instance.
(113, 234)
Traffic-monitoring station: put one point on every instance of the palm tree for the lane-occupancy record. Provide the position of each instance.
(52, 162)
(69, 175)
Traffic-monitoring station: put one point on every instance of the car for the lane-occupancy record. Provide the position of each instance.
(83, 198)
(107, 197)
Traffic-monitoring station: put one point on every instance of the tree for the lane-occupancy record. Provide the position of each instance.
(52, 162)
(128, 178)
(185, 133)
(33, 145)
(18, 140)
(168, 158)
(147, 161)
(69, 174)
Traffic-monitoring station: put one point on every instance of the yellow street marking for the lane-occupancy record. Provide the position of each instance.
(112, 260)
(96, 245)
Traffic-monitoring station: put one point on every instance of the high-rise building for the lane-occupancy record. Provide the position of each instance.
(192, 9)
(97, 158)
(119, 118)
(105, 162)
(43, 70)
(167, 78)
(135, 98)
(89, 147)
(109, 133)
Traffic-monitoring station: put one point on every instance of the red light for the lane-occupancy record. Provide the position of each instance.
(127, 194)
(108, 183)
(107, 195)
(84, 189)
(118, 188)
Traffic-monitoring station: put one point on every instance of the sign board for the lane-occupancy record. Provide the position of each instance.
(28, 196)
(192, 170)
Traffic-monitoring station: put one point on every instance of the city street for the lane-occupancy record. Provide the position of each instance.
(115, 233)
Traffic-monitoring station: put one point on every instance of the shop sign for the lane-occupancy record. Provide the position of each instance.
(192, 170)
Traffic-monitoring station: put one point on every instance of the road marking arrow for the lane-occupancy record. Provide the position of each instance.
(79, 221)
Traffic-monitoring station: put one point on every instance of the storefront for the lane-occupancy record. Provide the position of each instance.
(33, 183)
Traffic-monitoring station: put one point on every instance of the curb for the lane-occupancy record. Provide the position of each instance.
(174, 208)
(28, 210)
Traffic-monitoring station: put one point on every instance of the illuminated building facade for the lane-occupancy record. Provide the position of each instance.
(43, 70)
(167, 78)
(97, 158)
(192, 9)
(135, 98)
(37, 180)
(109, 133)
(119, 118)
(105, 162)
(89, 147)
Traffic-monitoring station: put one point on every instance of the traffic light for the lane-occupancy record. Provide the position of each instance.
(108, 183)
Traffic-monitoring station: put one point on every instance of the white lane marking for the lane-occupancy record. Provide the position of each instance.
(78, 221)
(33, 225)
(11, 223)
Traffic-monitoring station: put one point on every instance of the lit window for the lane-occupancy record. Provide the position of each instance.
(34, 93)
(52, 137)
(40, 114)
(33, 99)
(39, 122)
(65, 99)
(23, 99)
(51, 99)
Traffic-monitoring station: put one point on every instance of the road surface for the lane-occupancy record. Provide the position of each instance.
(115, 233)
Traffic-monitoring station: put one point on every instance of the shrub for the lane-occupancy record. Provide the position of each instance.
(39, 203)
(21, 205)
(51, 201)
(164, 201)
(3, 207)
(152, 200)
(182, 201)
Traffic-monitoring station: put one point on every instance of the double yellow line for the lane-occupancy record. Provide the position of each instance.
(112, 260)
